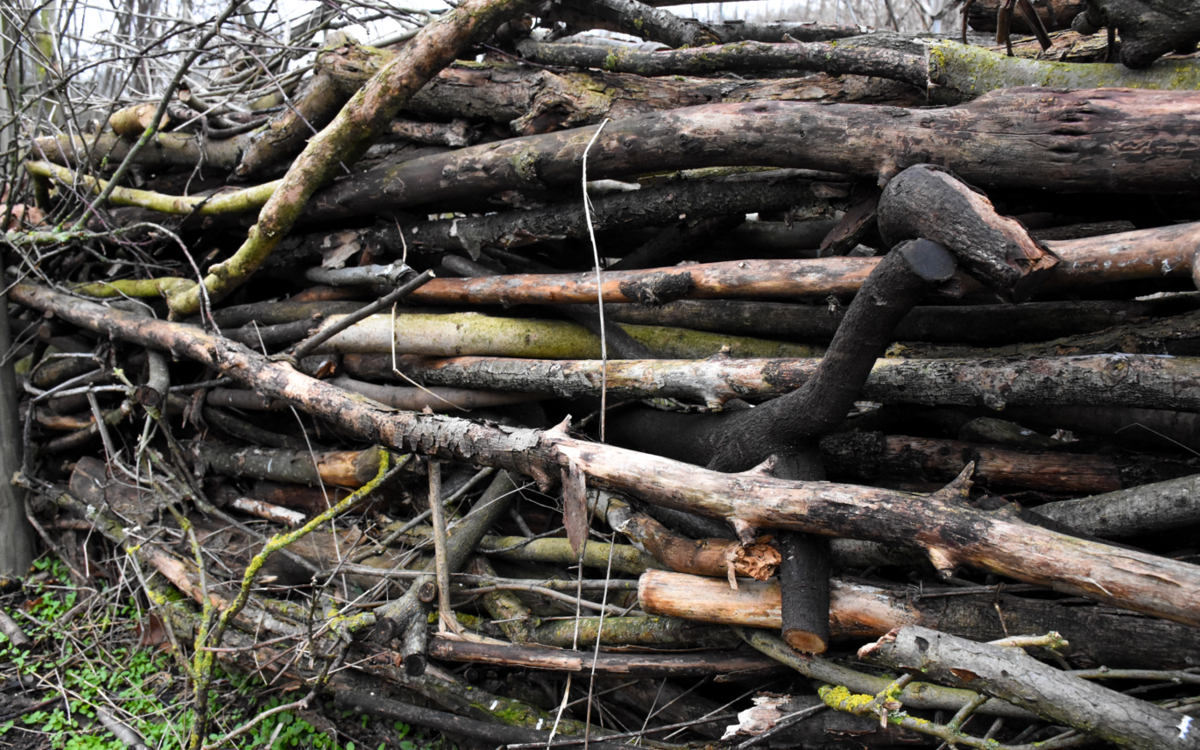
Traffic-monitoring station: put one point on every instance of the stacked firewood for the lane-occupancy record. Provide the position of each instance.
(595, 387)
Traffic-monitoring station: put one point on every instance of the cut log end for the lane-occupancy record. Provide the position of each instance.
(806, 642)
(928, 259)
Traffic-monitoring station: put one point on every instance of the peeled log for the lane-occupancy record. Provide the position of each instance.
(1098, 635)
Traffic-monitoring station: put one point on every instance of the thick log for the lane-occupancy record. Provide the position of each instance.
(1116, 380)
(865, 456)
(738, 57)
(951, 532)
(1099, 636)
(959, 72)
(475, 333)
(1148, 29)
(1128, 256)
(739, 440)
(991, 325)
(1013, 675)
(1138, 510)
(929, 203)
(1058, 141)
(649, 206)
(341, 468)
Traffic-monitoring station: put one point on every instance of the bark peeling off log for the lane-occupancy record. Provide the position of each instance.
(1108, 139)
(940, 523)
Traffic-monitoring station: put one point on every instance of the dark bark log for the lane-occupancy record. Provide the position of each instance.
(341, 468)
(1162, 426)
(634, 17)
(1148, 28)
(1111, 380)
(1026, 126)
(1099, 636)
(1016, 677)
(738, 57)
(1177, 334)
(865, 456)
(649, 206)
(858, 221)
(952, 533)
(804, 582)
(1055, 15)
(739, 440)
(991, 325)
(927, 202)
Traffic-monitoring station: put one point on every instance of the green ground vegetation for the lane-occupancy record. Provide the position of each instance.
(98, 650)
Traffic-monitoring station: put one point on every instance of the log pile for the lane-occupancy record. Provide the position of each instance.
(469, 393)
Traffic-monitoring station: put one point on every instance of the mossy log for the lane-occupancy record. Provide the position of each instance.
(475, 333)
(960, 72)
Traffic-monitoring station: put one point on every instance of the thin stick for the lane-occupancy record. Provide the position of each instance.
(587, 213)
(440, 564)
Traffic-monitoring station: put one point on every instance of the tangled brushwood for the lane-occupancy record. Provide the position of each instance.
(576, 373)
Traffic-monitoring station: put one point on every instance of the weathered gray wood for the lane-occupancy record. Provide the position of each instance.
(1013, 675)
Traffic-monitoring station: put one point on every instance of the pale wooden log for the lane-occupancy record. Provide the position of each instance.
(1141, 381)
(1015, 676)
(951, 532)
(1138, 510)
(1099, 636)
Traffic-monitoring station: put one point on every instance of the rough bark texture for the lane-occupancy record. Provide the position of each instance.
(952, 533)
(866, 456)
(1055, 15)
(1014, 676)
(928, 202)
(1114, 380)
(738, 57)
(1060, 141)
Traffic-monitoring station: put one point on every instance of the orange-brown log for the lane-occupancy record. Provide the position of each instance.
(1098, 635)
(1129, 256)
